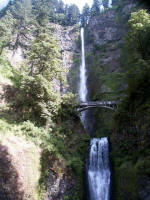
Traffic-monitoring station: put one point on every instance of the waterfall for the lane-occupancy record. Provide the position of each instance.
(83, 78)
(97, 165)
(110, 4)
(98, 170)
(101, 6)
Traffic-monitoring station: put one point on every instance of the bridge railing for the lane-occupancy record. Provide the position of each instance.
(94, 104)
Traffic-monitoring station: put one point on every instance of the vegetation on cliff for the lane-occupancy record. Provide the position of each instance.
(33, 109)
(131, 129)
(127, 80)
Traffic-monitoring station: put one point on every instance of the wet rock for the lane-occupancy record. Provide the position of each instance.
(58, 187)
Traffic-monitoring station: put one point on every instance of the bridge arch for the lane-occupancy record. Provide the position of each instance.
(112, 105)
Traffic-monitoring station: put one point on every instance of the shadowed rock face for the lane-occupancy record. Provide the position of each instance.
(144, 188)
(58, 187)
(105, 35)
(104, 28)
(10, 187)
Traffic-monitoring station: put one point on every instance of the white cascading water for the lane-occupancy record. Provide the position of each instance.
(98, 170)
(101, 6)
(110, 4)
(83, 78)
(97, 165)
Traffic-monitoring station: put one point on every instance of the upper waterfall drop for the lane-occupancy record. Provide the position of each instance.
(83, 78)
(98, 170)
(110, 4)
(101, 6)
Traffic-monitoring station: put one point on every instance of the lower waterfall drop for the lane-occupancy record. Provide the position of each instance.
(98, 170)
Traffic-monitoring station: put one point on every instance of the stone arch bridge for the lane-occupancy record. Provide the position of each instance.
(112, 105)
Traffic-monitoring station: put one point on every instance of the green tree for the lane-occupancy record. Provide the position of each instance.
(139, 33)
(72, 14)
(61, 7)
(36, 99)
(23, 20)
(85, 15)
(43, 10)
(136, 71)
(95, 10)
(5, 31)
(44, 57)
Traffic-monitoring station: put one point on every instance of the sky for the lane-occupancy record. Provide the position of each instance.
(79, 3)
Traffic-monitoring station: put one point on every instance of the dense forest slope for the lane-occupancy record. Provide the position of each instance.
(37, 51)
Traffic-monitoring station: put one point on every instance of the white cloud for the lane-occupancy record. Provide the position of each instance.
(79, 3)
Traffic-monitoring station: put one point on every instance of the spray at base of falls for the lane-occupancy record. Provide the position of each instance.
(98, 170)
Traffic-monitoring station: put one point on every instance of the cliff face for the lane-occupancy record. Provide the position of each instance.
(106, 35)
(60, 182)
(104, 40)
(67, 37)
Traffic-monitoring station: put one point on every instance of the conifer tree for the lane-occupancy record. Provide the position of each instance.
(72, 14)
(85, 15)
(44, 57)
(23, 20)
(5, 31)
(95, 10)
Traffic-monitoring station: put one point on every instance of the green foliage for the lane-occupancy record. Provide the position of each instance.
(5, 31)
(136, 76)
(85, 15)
(126, 182)
(56, 143)
(59, 152)
(41, 114)
(56, 11)
(139, 33)
(44, 57)
(95, 10)
(36, 99)
(32, 132)
(130, 137)
(72, 14)
(5, 69)
(23, 20)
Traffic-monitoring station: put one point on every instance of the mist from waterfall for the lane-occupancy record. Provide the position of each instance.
(98, 170)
